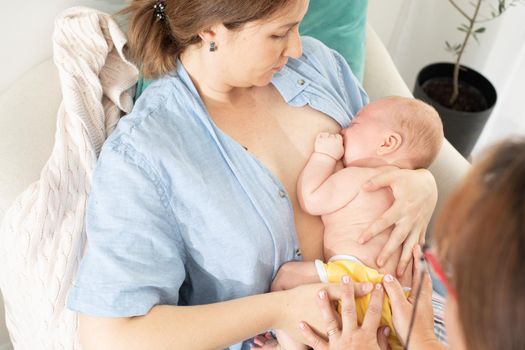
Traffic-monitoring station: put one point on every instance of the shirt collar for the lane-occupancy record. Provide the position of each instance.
(288, 82)
(182, 73)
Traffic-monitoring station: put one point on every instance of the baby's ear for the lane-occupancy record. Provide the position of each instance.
(391, 142)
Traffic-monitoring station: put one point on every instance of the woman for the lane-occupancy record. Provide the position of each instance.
(480, 242)
(193, 199)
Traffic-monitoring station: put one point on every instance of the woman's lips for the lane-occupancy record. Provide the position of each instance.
(278, 68)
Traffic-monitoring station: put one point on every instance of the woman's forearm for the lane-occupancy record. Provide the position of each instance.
(210, 326)
(429, 345)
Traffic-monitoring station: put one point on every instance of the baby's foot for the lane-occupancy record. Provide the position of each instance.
(265, 342)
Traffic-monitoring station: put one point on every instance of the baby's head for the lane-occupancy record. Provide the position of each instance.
(399, 131)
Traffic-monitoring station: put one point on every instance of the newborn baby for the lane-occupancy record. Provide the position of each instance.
(390, 133)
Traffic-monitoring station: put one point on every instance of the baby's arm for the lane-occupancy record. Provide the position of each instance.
(319, 190)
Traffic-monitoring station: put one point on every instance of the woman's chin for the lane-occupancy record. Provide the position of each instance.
(263, 81)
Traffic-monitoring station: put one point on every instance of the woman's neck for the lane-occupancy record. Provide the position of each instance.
(208, 81)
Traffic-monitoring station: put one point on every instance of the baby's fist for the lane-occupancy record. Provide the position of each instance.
(329, 144)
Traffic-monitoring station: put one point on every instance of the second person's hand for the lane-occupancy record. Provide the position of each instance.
(347, 334)
(415, 194)
(422, 335)
(299, 303)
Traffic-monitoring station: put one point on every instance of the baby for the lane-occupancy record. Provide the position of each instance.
(390, 133)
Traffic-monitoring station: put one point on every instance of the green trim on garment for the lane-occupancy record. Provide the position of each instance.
(340, 25)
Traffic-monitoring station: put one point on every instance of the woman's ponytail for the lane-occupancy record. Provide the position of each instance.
(151, 45)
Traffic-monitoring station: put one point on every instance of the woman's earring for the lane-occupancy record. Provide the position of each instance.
(212, 46)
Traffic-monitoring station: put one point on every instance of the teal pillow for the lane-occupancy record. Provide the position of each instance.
(339, 24)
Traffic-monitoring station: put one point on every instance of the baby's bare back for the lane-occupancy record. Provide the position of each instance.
(344, 227)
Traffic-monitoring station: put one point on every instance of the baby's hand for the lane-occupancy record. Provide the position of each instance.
(330, 144)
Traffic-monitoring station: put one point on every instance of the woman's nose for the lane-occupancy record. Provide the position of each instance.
(294, 48)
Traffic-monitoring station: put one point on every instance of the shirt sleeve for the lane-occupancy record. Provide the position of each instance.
(134, 258)
(337, 73)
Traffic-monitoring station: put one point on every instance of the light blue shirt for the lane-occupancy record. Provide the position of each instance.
(180, 213)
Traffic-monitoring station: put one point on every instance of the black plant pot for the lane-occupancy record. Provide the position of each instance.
(461, 128)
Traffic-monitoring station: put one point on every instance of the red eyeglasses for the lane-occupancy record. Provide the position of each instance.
(437, 270)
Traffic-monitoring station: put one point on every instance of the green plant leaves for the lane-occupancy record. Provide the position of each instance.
(452, 48)
(463, 28)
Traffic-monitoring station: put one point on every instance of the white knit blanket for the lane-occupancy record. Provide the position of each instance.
(42, 235)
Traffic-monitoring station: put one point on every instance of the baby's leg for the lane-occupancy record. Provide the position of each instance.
(265, 342)
(295, 273)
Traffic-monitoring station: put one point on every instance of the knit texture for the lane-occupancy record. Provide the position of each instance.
(42, 236)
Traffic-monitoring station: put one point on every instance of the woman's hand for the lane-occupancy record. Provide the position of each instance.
(350, 336)
(299, 304)
(415, 194)
(422, 336)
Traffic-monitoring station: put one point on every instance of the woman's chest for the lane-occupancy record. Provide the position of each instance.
(282, 138)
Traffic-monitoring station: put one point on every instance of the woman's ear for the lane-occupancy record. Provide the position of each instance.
(213, 34)
(391, 143)
(207, 35)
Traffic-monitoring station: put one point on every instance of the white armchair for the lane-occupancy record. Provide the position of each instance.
(28, 114)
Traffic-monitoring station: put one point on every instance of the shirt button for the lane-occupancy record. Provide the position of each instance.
(300, 82)
(282, 194)
(298, 252)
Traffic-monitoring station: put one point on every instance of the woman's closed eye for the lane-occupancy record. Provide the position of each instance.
(282, 36)
(285, 34)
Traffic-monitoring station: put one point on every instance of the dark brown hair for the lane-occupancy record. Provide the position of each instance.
(154, 45)
(480, 234)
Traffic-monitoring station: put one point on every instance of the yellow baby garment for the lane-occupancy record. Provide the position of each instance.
(335, 270)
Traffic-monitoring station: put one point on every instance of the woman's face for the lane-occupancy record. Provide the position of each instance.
(250, 56)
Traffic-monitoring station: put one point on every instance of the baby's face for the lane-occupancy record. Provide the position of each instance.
(364, 135)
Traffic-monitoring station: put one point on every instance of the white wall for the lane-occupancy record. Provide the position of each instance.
(26, 28)
(505, 67)
(415, 31)
(4, 337)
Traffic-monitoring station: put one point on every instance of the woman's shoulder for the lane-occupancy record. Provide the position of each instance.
(167, 89)
(161, 115)
(318, 55)
(331, 74)
(321, 61)
(315, 47)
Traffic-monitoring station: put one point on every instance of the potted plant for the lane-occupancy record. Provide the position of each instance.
(463, 97)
